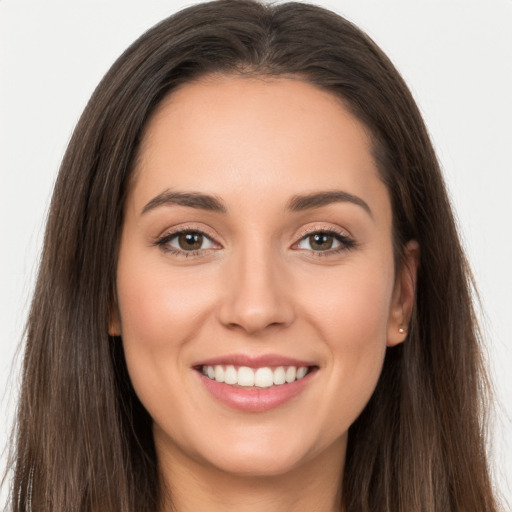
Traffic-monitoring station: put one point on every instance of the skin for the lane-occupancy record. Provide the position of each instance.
(257, 286)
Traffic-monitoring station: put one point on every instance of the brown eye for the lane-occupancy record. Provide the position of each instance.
(329, 242)
(190, 241)
(186, 241)
(321, 241)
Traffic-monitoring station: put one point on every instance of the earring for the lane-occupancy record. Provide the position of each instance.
(401, 330)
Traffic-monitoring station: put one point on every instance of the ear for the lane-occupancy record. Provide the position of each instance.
(404, 295)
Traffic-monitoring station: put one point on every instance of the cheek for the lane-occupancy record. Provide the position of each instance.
(160, 313)
(158, 309)
(351, 317)
(351, 306)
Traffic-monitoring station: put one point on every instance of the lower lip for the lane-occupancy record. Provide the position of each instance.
(254, 399)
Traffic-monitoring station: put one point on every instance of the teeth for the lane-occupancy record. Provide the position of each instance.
(245, 376)
(279, 376)
(264, 377)
(290, 374)
(219, 374)
(230, 375)
(301, 372)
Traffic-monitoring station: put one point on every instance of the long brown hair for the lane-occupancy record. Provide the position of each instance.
(84, 441)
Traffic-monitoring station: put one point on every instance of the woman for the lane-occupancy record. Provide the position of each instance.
(252, 295)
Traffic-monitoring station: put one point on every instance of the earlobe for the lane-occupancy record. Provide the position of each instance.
(404, 295)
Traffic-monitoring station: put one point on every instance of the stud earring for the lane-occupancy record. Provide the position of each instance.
(401, 330)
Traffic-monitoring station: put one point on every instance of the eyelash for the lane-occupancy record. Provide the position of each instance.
(346, 243)
(164, 241)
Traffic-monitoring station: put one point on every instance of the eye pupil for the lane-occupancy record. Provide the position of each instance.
(190, 241)
(321, 241)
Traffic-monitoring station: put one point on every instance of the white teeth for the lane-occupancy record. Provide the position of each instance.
(245, 376)
(219, 373)
(230, 375)
(279, 376)
(264, 377)
(291, 373)
(301, 372)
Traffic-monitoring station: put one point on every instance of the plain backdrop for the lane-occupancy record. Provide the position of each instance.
(456, 57)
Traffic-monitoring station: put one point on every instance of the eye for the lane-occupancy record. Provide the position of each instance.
(325, 241)
(186, 241)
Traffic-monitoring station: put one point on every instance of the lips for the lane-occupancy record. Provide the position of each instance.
(272, 360)
(255, 384)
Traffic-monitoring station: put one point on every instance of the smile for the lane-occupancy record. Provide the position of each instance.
(264, 377)
(255, 384)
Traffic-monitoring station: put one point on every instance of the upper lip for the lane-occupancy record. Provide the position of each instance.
(254, 361)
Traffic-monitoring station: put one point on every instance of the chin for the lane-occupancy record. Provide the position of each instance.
(263, 454)
(262, 464)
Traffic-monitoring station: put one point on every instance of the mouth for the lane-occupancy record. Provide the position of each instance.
(260, 377)
(255, 384)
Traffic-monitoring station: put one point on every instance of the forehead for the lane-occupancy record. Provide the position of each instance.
(273, 137)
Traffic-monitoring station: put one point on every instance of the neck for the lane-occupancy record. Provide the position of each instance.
(193, 485)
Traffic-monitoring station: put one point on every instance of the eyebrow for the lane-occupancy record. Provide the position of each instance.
(319, 199)
(214, 204)
(190, 199)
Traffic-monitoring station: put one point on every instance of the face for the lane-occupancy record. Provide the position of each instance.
(256, 285)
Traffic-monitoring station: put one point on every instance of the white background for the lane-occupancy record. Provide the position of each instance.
(455, 55)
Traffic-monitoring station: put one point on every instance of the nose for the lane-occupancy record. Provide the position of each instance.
(257, 292)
